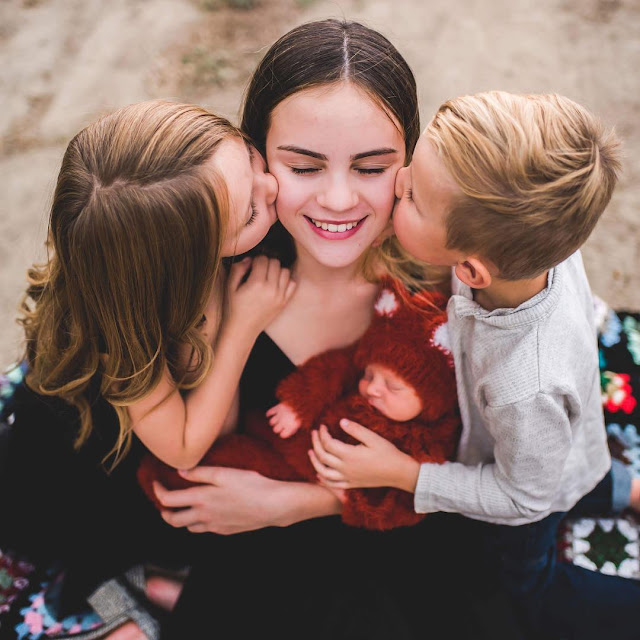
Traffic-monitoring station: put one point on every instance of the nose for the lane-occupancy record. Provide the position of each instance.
(374, 388)
(338, 194)
(270, 187)
(401, 178)
(264, 181)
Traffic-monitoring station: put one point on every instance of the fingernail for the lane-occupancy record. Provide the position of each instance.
(344, 422)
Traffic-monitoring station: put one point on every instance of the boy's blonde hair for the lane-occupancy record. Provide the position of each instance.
(536, 173)
(135, 235)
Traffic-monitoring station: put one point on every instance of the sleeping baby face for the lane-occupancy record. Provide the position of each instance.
(389, 394)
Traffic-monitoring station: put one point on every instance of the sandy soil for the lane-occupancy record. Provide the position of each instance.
(65, 62)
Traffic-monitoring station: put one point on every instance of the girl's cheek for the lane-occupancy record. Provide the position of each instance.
(384, 194)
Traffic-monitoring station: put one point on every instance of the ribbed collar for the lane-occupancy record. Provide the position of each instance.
(462, 303)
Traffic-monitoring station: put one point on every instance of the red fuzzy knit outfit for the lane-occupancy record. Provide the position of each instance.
(408, 336)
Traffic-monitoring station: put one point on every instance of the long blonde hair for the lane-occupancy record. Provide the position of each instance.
(135, 233)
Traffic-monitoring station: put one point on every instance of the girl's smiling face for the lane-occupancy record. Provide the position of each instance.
(335, 154)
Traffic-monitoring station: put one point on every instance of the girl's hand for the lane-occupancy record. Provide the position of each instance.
(253, 303)
(228, 501)
(235, 500)
(283, 419)
(375, 462)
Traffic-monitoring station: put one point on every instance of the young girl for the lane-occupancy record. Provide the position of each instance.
(132, 308)
(132, 295)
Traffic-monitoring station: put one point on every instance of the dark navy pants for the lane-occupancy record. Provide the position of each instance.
(556, 599)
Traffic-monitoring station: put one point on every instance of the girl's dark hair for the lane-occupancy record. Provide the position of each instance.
(327, 52)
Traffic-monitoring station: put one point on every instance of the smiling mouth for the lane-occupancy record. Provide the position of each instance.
(335, 228)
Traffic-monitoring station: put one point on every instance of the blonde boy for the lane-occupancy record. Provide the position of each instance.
(506, 188)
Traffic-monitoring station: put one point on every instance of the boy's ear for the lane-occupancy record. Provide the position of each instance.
(474, 273)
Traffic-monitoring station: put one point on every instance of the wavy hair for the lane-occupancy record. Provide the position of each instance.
(135, 232)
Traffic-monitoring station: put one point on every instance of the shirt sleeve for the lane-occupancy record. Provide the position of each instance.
(532, 442)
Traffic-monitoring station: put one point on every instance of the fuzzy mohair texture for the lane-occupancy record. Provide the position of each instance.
(407, 335)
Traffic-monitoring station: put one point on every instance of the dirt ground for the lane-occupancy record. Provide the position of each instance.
(65, 62)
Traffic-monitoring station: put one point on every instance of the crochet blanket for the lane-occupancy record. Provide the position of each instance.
(610, 545)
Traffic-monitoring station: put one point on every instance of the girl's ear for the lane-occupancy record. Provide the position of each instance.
(474, 273)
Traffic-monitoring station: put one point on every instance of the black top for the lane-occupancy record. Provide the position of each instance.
(266, 366)
(62, 505)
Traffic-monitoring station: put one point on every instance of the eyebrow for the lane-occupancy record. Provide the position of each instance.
(385, 151)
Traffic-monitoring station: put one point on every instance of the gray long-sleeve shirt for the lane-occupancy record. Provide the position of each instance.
(533, 438)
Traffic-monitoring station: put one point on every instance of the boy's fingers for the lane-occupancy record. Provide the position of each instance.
(332, 445)
(356, 430)
(326, 472)
(320, 450)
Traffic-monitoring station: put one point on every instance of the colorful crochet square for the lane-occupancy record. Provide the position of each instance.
(38, 622)
(611, 545)
(606, 545)
(14, 578)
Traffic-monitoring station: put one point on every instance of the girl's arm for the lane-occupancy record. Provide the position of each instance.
(235, 500)
(180, 430)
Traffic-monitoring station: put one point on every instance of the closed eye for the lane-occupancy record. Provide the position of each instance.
(409, 194)
(367, 171)
(301, 171)
(254, 214)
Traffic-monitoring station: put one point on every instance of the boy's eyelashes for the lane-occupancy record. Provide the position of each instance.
(409, 194)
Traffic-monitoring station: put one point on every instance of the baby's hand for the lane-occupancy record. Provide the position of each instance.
(255, 302)
(283, 419)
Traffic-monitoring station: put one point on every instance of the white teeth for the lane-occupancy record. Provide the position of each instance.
(334, 228)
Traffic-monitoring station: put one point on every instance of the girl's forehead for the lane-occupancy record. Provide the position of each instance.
(340, 113)
(335, 102)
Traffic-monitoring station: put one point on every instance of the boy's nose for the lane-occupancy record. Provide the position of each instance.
(401, 177)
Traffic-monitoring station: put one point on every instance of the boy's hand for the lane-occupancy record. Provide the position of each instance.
(253, 303)
(283, 419)
(375, 462)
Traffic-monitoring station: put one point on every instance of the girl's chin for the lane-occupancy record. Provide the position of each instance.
(337, 258)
